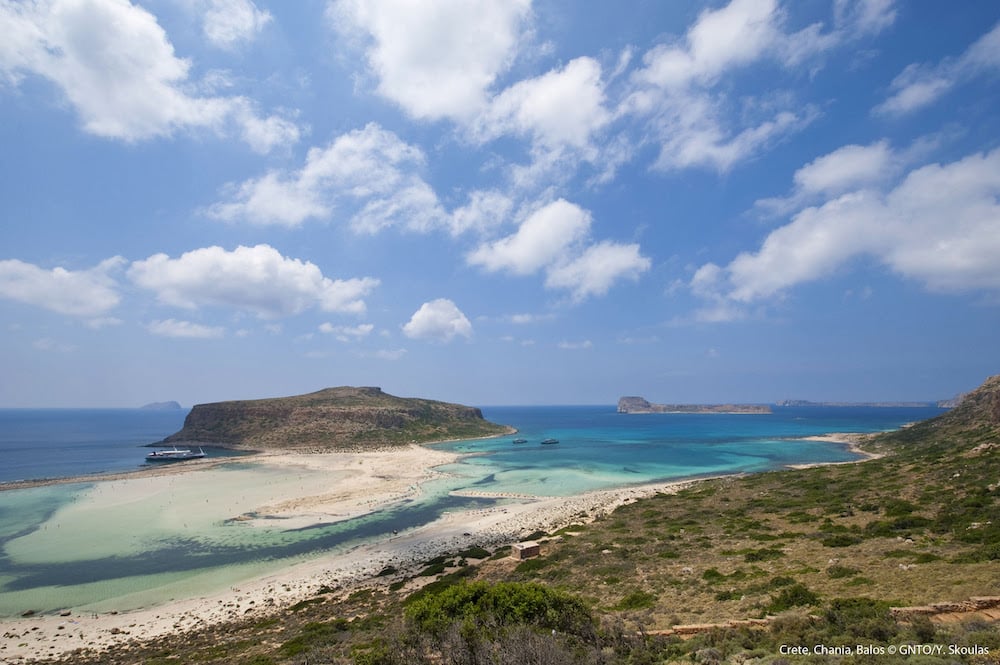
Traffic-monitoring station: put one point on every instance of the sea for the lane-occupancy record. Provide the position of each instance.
(103, 546)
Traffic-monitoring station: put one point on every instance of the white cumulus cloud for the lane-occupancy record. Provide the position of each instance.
(486, 209)
(560, 108)
(595, 271)
(369, 171)
(555, 238)
(254, 279)
(939, 226)
(439, 320)
(844, 168)
(847, 168)
(228, 23)
(919, 85)
(435, 60)
(680, 90)
(84, 293)
(117, 68)
(542, 238)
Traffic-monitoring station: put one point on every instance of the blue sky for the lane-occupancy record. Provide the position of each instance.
(498, 202)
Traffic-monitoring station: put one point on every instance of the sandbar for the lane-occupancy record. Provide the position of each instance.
(378, 479)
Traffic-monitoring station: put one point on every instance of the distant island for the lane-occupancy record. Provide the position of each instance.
(640, 405)
(946, 404)
(161, 406)
(344, 418)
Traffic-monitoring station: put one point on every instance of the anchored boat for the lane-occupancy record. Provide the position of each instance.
(174, 455)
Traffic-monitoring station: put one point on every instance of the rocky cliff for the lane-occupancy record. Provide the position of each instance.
(974, 423)
(976, 412)
(640, 405)
(331, 419)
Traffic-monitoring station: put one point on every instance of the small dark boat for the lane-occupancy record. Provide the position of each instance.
(549, 442)
(520, 441)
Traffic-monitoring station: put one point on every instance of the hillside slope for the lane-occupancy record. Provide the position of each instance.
(330, 419)
(816, 557)
(974, 421)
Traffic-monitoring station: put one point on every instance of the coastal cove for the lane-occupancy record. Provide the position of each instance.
(137, 542)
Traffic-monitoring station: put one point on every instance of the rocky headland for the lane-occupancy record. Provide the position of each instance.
(344, 418)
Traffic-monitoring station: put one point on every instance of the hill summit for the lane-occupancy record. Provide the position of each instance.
(331, 419)
(975, 420)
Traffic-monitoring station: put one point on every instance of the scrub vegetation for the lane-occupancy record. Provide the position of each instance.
(736, 570)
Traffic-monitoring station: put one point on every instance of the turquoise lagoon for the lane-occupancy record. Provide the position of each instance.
(94, 546)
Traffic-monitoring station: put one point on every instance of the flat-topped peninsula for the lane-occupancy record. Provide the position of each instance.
(344, 418)
(640, 405)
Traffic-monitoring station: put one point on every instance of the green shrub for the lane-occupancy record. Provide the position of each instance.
(475, 553)
(302, 604)
(431, 570)
(897, 507)
(532, 565)
(712, 576)
(840, 540)
(780, 581)
(260, 659)
(439, 585)
(796, 595)
(766, 554)
(838, 572)
(637, 600)
(861, 618)
(502, 604)
(314, 634)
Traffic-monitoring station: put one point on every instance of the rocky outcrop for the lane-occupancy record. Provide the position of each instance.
(331, 419)
(976, 417)
(640, 405)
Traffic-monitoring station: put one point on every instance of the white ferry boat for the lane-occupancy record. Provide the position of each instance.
(174, 455)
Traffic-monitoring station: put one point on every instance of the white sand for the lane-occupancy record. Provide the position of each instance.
(376, 480)
(851, 440)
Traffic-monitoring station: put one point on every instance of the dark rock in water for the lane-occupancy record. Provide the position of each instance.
(162, 406)
(28, 613)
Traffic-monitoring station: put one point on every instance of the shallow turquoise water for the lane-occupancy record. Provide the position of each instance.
(599, 448)
(87, 546)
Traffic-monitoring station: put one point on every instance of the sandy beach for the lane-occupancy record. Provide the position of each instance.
(365, 482)
(850, 440)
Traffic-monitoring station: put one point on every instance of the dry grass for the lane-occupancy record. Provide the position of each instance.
(724, 549)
